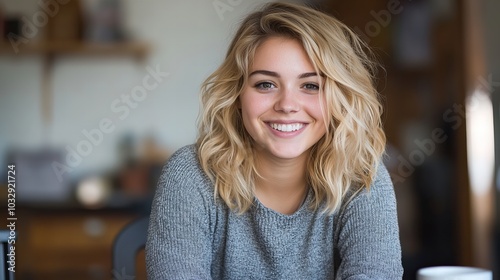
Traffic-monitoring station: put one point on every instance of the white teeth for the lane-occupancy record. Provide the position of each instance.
(287, 127)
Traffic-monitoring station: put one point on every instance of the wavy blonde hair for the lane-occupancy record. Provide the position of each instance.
(345, 159)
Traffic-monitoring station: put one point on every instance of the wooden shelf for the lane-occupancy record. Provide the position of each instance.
(135, 49)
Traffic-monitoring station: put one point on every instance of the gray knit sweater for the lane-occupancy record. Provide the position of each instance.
(193, 236)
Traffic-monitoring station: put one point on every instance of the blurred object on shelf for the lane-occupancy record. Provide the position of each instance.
(134, 179)
(154, 156)
(67, 23)
(126, 149)
(142, 164)
(93, 192)
(103, 20)
(10, 26)
(152, 152)
(36, 179)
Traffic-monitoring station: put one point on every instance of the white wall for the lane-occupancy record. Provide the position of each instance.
(189, 40)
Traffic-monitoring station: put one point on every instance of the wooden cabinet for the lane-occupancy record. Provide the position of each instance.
(69, 244)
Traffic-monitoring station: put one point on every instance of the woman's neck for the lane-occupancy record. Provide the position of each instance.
(282, 183)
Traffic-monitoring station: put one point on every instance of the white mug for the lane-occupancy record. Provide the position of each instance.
(454, 273)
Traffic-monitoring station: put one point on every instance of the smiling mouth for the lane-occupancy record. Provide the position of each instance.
(287, 127)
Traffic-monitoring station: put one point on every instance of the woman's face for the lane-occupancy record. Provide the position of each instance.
(280, 104)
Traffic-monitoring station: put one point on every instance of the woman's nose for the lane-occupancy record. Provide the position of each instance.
(287, 102)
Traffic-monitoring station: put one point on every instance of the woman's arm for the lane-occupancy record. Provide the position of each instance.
(179, 242)
(368, 234)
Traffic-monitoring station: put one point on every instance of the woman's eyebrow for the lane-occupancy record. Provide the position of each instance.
(307, 75)
(274, 74)
(265, 72)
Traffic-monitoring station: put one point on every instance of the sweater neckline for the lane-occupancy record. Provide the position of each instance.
(304, 207)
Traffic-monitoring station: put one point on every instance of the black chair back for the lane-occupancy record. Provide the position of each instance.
(127, 244)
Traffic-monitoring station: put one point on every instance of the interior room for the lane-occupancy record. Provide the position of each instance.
(95, 95)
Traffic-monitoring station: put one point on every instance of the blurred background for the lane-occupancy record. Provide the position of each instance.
(95, 95)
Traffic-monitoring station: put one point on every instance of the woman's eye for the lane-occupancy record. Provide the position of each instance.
(311, 87)
(265, 86)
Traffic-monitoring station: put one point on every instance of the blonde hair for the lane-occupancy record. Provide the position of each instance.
(345, 159)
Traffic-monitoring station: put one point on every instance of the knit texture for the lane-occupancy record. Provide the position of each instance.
(192, 235)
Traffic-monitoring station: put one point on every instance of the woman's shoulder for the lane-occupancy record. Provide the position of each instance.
(380, 188)
(183, 169)
(382, 178)
(184, 159)
(184, 155)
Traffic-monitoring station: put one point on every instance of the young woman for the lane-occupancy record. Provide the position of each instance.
(285, 180)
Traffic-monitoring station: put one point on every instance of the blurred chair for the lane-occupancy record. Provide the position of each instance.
(5, 274)
(127, 244)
